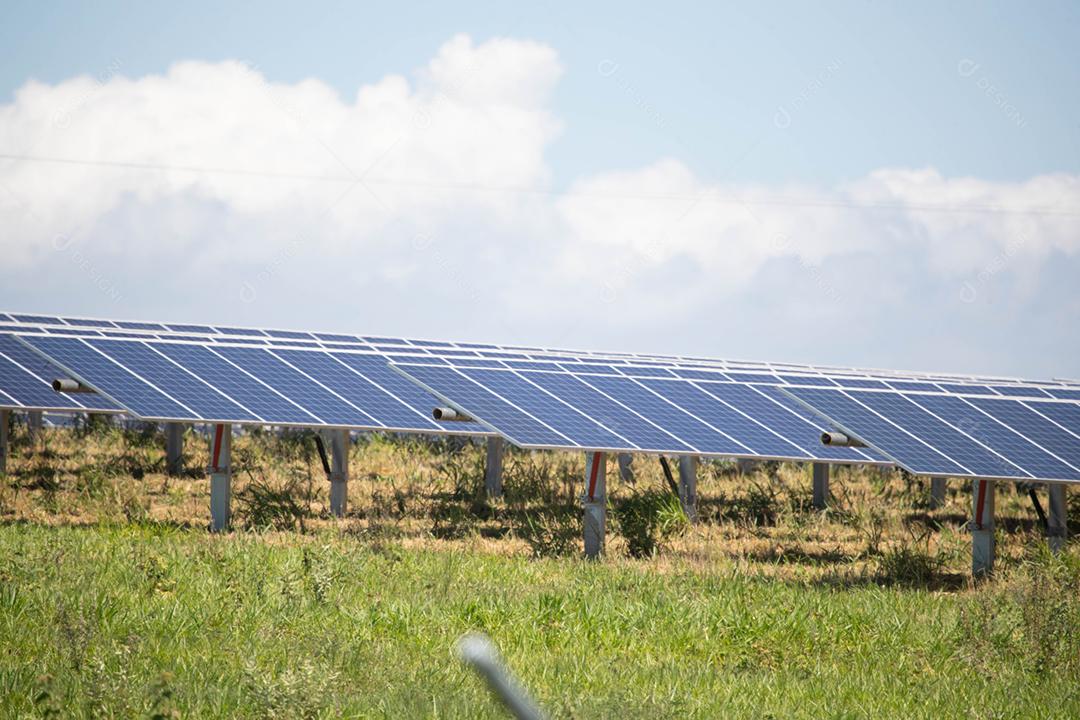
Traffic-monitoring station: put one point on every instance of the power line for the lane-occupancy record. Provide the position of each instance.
(777, 201)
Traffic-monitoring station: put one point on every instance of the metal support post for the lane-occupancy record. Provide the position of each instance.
(339, 472)
(35, 421)
(174, 448)
(5, 420)
(1057, 525)
(821, 485)
(493, 484)
(937, 492)
(688, 485)
(220, 478)
(982, 528)
(595, 504)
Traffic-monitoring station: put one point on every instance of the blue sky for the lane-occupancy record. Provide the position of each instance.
(715, 74)
(781, 101)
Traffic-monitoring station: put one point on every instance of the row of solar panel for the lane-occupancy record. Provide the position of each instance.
(934, 434)
(582, 408)
(26, 382)
(200, 333)
(953, 436)
(563, 410)
(623, 367)
(190, 382)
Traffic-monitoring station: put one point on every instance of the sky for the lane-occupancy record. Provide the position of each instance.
(890, 185)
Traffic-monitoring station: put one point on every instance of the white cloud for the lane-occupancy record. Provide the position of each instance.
(436, 239)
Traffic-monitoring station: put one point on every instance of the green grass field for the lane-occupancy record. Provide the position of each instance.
(115, 602)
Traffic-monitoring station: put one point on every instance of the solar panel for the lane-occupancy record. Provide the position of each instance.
(958, 436)
(215, 382)
(542, 397)
(573, 408)
(26, 383)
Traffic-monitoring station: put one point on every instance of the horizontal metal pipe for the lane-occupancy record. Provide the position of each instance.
(840, 440)
(67, 385)
(446, 414)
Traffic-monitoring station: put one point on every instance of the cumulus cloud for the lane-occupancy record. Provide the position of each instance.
(423, 205)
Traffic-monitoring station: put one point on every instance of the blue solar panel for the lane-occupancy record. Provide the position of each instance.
(375, 369)
(108, 377)
(78, 322)
(129, 335)
(296, 386)
(753, 377)
(773, 409)
(518, 426)
(968, 419)
(46, 372)
(646, 371)
(200, 329)
(700, 374)
(130, 325)
(1018, 391)
(333, 337)
(861, 383)
(1035, 426)
(589, 368)
(431, 343)
(913, 386)
(386, 409)
(73, 331)
(419, 359)
(397, 349)
(811, 380)
(1067, 415)
(500, 355)
(606, 411)
(978, 459)
(27, 390)
(205, 401)
(479, 363)
(659, 401)
(244, 332)
(1065, 393)
(256, 397)
(243, 340)
(864, 423)
(289, 335)
(966, 389)
(451, 352)
(568, 421)
(477, 346)
(37, 319)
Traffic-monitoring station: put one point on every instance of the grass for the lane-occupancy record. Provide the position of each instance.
(115, 602)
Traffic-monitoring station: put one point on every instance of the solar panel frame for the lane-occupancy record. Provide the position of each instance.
(480, 395)
(304, 418)
(859, 423)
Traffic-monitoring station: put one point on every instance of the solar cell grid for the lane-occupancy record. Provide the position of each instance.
(204, 400)
(689, 428)
(257, 397)
(519, 426)
(84, 362)
(567, 420)
(900, 445)
(970, 420)
(602, 394)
